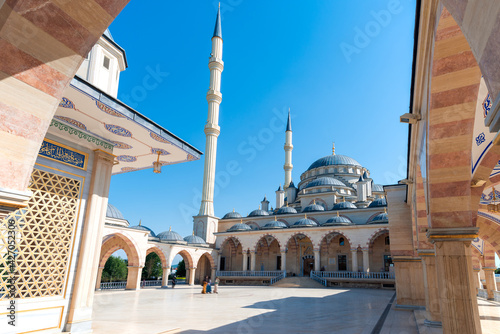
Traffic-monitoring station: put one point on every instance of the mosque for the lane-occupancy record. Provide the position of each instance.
(432, 237)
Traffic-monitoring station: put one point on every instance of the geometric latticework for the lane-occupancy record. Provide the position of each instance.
(44, 236)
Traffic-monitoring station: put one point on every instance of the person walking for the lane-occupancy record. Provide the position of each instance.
(216, 284)
(204, 284)
(174, 282)
(209, 285)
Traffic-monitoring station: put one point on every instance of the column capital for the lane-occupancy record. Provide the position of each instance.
(489, 268)
(167, 267)
(104, 156)
(354, 250)
(192, 268)
(283, 250)
(316, 250)
(426, 252)
(452, 234)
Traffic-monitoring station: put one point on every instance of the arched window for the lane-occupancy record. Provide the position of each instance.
(341, 242)
(387, 241)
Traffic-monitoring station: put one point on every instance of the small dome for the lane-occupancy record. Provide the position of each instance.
(194, 240)
(275, 224)
(379, 202)
(170, 236)
(239, 227)
(343, 206)
(336, 221)
(313, 208)
(144, 228)
(381, 218)
(325, 181)
(113, 212)
(378, 188)
(232, 215)
(258, 212)
(286, 210)
(334, 160)
(305, 222)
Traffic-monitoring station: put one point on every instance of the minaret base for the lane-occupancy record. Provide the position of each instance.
(205, 226)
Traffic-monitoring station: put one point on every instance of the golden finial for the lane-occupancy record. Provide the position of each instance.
(233, 209)
(343, 198)
(219, 5)
(274, 218)
(385, 210)
(259, 207)
(337, 213)
(241, 220)
(140, 222)
(193, 232)
(305, 215)
(333, 148)
(314, 201)
(170, 229)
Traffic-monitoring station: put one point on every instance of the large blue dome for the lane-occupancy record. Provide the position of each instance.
(344, 205)
(275, 224)
(313, 208)
(232, 215)
(336, 221)
(258, 212)
(113, 212)
(239, 227)
(284, 210)
(325, 181)
(381, 218)
(194, 240)
(144, 228)
(330, 160)
(305, 222)
(379, 202)
(170, 236)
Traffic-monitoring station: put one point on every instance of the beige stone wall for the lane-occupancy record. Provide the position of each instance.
(377, 252)
(331, 249)
(266, 255)
(409, 283)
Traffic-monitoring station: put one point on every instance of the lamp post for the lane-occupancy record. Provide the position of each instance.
(157, 164)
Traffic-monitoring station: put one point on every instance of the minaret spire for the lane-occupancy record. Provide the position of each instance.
(208, 225)
(288, 152)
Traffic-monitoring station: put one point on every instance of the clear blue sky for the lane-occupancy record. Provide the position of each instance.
(276, 57)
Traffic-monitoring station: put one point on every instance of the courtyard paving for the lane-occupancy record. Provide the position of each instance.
(256, 310)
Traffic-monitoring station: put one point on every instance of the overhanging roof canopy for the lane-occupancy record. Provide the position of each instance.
(137, 140)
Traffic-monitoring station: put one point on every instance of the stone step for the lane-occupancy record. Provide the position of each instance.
(297, 282)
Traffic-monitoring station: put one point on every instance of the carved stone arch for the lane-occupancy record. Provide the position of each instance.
(375, 235)
(117, 241)
(254, 248)
(161, 255)
(336, 232)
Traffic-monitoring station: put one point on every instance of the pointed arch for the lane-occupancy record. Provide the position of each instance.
(116, 241)
(159, 252)
(375, 235)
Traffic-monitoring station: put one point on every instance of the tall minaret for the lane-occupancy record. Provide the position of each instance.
(206, 222)
(288, 152)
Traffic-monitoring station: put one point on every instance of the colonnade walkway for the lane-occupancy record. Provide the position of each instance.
(260, 309)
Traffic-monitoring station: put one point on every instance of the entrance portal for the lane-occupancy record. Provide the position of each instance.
(308, 266)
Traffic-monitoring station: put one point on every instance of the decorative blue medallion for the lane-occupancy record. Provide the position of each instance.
(118, 130)
(162, 152)
(486, 105)
(66, 103)
(121, 145)
(72, 122)
(126, 158)
(64, 154)
(480, 139)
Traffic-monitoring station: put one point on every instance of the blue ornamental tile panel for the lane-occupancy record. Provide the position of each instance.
(121, 145)
(486, 105)
(72, 121)
(162, 152)
(108, 110)
(126, 158)
(118, 130)
(64, 154)
(158, 138)
(66, 103)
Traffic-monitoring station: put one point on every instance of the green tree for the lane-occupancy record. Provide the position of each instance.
(497, 271)
(181, 269)
(114, 270)
(152, 267)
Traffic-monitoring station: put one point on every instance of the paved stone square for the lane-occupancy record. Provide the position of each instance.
(254, 310)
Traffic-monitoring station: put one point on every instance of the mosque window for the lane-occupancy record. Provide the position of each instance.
(387, 241)
(105, 63)
(341, 242)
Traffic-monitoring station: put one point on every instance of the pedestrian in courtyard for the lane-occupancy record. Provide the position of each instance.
(216, 284)
(204, 284)
(209, 285)
(174, 282)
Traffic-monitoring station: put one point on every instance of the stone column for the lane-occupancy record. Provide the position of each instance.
(134, 278)
(317, 260)
(80, 309)
(192, 272)
(213, 274)
(219, 255)
(477, 279)
(252, 260)
(164, 278)
(433, 312)
(99, 277)
(354, 260)
(188, 274)
(491, 284)
(245, 260)
(366, 260)
(458, 302)
(283, 261)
